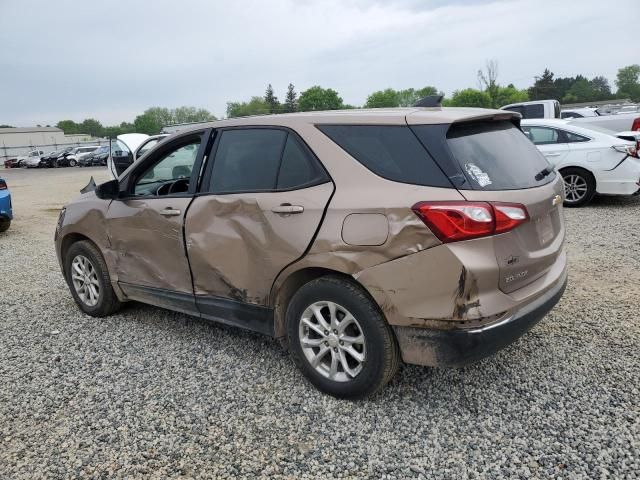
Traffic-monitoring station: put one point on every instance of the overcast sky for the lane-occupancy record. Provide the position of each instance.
(111, 60)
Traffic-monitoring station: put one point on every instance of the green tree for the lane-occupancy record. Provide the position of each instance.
(271, 100)
(488, 81)
(318, 98)
(544, 87)
(509, 94)
(601, 88)
(255, 106)
(152, 120)
(409, 96)
(91, 126)
(470, 97)
(627, 82)
(6, 126)
(383, 99)
(581, 91)
(291, 100)
(69, 127)
(191, 114)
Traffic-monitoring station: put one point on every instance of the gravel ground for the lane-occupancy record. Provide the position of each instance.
(151, 393)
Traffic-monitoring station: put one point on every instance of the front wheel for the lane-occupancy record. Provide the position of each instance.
(72, 163)
(579, 186)
(4, 224)
(88, 278)
(339, 339)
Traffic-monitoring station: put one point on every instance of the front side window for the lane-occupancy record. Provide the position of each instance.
(541, 135)
(172, 168)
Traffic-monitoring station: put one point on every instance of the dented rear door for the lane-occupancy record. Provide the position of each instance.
(261, 202)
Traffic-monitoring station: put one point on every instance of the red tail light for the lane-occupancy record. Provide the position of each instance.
(636, 124)
(3, 185)
(455, 221)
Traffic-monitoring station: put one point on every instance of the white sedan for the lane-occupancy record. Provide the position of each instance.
(590, 160)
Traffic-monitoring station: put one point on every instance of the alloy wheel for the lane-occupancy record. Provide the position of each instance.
(332, 341)
(85, 280)
(575, 188)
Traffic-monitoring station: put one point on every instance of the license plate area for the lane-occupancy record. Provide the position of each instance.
(544, 228)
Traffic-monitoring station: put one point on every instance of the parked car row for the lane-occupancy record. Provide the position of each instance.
(86, 155)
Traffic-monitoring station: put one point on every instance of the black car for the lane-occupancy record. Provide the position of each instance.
(99, 157)
(50, 160)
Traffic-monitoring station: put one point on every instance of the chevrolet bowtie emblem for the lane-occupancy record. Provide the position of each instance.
(556, 200)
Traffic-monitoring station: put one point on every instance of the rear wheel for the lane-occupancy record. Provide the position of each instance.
(88, 278)
(5, 223)
(72, 163)
(339, 339)
(579, 186)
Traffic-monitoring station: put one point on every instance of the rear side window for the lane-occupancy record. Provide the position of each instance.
(574, 137)
(542, 135)
(298, 168)
(392, 152)
(529, 111)
(496, 156)
(262, 159)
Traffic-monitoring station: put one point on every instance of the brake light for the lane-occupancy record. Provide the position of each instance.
(636, 124)
(456, 221)
(3, 185)
(632, 151)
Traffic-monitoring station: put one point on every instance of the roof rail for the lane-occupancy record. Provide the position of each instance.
(430, 101)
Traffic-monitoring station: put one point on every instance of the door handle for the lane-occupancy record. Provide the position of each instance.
(287, 209)
(551, 154)
(169, 212)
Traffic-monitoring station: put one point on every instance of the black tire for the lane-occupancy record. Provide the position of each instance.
(578, 198)
(72, 163)
(107, 302)
(4, 224)
(382, 357)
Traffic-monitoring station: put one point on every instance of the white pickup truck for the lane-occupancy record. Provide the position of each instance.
(551, 109)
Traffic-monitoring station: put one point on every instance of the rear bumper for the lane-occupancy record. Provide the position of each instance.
(458, 347)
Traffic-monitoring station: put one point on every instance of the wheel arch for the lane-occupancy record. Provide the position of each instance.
(281, 295)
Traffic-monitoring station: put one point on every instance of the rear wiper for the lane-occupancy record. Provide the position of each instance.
(544, 172)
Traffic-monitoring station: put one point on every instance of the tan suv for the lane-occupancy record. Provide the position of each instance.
(360, 237)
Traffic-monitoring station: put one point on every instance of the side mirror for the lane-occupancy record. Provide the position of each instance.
(109, 190)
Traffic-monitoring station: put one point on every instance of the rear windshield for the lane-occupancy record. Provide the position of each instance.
(492, 155)
(390, 151)
(496, 156)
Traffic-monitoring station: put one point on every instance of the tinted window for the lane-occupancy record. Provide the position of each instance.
(574, 137)
(298, 168)
(393, 152)
(496, 156)
(247, 160)
(542, 135)
(570, 115)
(534, 111)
